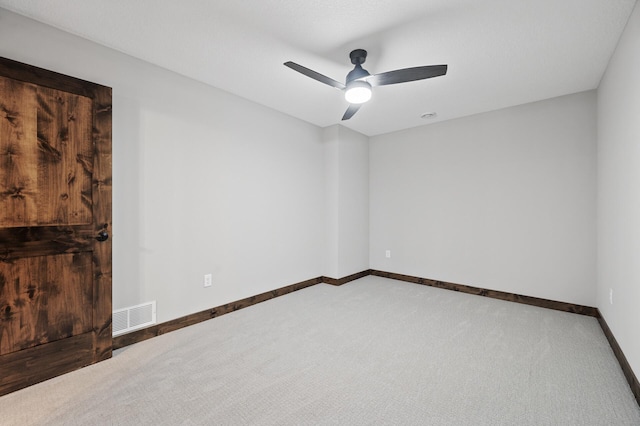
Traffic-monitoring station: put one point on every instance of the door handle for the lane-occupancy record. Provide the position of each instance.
(102, 236)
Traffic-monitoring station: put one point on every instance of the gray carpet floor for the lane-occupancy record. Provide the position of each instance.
(374, 351)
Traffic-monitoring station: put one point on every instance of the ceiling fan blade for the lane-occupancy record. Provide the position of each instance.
(407, 74)
(314, 75)
(353, 108)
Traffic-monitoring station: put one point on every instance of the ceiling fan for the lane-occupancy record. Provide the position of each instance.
(358, 84)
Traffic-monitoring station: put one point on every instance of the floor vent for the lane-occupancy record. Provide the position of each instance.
(134, 317)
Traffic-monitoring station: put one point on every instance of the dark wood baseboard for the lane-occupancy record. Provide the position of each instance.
(534, 301)
(344, 280)
(178, 323)
(495, 294)
(166, 327)
(624, 364)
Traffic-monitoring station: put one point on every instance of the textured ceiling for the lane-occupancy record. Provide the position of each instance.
(500, 52)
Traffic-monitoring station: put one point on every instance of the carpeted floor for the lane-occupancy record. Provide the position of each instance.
(374, 351)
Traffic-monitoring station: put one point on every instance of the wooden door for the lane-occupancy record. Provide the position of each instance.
(55, 224)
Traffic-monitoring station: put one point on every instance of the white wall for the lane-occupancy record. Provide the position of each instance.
(204, 182)
(331, 140)
(347, 201)
(503, 200)
(619, 192)
(354, 202)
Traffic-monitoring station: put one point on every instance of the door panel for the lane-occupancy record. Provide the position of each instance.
(47, 167)
(65, 163)
(47, 298)
(18, 120)
(55, 198)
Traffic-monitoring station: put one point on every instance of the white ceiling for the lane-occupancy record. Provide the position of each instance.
(500, 52)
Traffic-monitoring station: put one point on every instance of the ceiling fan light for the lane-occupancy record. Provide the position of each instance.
(358, 92)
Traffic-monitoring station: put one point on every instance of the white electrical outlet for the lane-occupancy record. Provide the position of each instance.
(387, 254)
(207, 280)
(611, 296)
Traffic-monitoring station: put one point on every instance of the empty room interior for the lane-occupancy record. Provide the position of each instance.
(260, 248)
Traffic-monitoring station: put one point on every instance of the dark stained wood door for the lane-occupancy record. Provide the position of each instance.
(55, 224)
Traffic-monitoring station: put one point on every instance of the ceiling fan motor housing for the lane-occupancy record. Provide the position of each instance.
(356, 73)
(358, 56)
